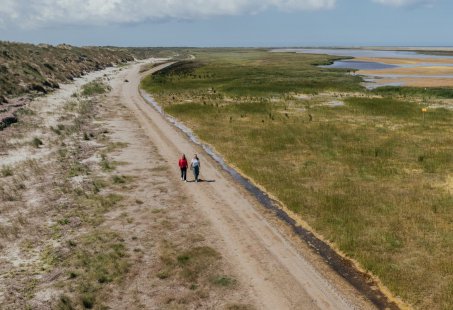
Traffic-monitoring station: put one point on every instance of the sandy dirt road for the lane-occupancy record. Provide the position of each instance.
(268, 262)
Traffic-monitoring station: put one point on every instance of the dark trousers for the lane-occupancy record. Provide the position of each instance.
(196, 172)
(183, 173)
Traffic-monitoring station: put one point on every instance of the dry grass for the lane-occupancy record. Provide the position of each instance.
(65, 214)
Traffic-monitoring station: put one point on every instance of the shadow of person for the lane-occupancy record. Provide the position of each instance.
(207, 181)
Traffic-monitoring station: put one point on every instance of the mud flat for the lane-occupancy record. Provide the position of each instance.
(394, 67)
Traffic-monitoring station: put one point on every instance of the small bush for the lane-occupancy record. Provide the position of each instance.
(223, 281)
(106, 165)
(72, 275)
(6, 171)
(25, 111)
(65, 303)
(94, 88)
(164, 274)
(88, 301)
(119, 179)
(55, 130)
(36, 142)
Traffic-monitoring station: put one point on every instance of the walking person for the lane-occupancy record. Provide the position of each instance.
(183, 167)
(195, 166)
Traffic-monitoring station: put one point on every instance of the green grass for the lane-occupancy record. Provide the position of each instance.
(98, 259)
(106, 164)
(223, 281)
(386, 107)
(191, 265)
(249, 73)
(415, 91)
(36, 142)
(94, 88)
(6, 171)
(372, 176)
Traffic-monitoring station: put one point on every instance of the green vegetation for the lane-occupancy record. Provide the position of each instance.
(96, 259)
(36, 142)
(191, 265)
(223, 281)
(6, 171)
(26, 68)
(374, 175)
(414, 91)
(106, 164)
(94, 88)
(249, 73)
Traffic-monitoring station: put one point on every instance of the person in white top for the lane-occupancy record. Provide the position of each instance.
(195, 166)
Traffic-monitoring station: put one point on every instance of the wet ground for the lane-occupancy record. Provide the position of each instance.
(391, 68)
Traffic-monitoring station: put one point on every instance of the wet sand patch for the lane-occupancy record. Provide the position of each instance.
(414, 82)
(406, 61)
(417, 71)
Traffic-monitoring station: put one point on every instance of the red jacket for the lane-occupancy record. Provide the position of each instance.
(182, 163)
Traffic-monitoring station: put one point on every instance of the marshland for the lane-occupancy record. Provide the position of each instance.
(369, 170)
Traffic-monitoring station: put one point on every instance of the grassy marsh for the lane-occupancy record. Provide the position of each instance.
(250, 73)
(373, 175)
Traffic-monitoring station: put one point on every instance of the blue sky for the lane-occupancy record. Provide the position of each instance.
(229, 23)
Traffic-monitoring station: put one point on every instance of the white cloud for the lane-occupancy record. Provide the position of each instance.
(33, 13)
(406, 3)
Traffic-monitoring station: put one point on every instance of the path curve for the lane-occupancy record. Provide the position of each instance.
(266, 260)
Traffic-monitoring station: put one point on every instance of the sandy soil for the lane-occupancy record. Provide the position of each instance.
(267, 262)
(418, 71)
(407, 61)
(424, 76)
(419, 82)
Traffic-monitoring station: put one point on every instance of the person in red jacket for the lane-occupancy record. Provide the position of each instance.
(183, 167)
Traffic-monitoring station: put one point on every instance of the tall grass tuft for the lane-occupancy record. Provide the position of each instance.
(94, 88)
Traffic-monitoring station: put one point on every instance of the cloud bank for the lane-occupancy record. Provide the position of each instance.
(406, 3)
(42, 13)
(35, 13)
